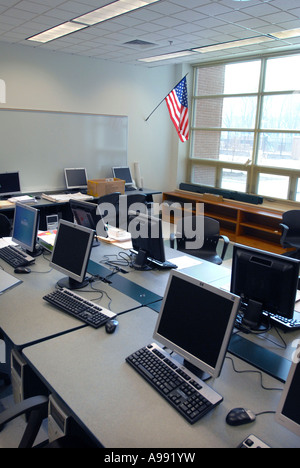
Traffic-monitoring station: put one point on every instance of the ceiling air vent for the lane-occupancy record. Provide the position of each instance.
(139, 44)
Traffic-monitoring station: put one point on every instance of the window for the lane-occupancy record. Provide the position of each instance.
(245, 126)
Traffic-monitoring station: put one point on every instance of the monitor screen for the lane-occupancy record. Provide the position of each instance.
(25, 228)
(267, 283)
(147, 239)
(288, 411)
(71, 253)
(123, 173)
(76, 178)
(9, 183)
(196, 321)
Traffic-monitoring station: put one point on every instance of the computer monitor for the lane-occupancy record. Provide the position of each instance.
(196, 322)
(147, 240)
(9, 184)
(267, 283)
(25, 228)
(71, 253)
(76, 178)
(85, 214)
(288, 411)
(123, 173)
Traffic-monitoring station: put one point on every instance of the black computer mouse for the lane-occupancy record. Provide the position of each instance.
(22, 270)
(239, 416)
(111, 325)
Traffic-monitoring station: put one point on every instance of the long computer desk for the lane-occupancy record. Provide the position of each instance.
(86, 368)
(120, 410)
(48, 207)
(25, 318)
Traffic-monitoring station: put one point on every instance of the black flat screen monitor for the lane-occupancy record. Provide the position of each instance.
(196, 322)
(76, 178)
(288, 411)
(267, 283)
(123, 173)
(71, 253)
(25, 228)
(9, 184)
(147, 240)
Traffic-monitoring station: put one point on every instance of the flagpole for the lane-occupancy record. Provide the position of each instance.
(163, 99)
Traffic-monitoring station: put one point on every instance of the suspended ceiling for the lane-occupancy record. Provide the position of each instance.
(160, 28)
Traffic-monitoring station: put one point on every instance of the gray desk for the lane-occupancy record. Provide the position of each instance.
(156, 280)
(25, 318)
(114, 404)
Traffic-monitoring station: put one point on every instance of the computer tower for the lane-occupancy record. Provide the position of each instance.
(25, 382)
(58, 419)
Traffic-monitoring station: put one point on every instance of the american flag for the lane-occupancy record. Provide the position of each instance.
(177, 102)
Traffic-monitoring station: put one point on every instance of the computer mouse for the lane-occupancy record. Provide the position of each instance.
(111, 326)
(20, 270)
(239, 416)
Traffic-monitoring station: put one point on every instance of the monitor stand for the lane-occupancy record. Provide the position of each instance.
(198, 372)
(38, 250)
(140, 262)
(70, 283)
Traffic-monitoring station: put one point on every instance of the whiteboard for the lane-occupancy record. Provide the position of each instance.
(40, 144)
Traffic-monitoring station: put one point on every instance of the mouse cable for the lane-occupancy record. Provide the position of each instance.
(252, 372)
(265, 412)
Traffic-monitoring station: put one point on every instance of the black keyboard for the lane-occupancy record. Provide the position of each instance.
(191, 397)
(15, 257)
(276, 320)
(161, 265)
(75, 305)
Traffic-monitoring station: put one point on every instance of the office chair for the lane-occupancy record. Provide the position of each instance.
(208, 251)
(137, 198)
(4, 372)
(36, 409)
(290, 237)
(111, 216)
(136, 203)
(5, 226)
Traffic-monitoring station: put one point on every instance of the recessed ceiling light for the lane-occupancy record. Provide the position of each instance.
(287, 34)
(230, 45)
(112, 10)
(157, 58)
(58, 31)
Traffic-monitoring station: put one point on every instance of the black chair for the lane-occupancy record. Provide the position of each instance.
(108, 207)
(4, 369)
(210, 239)
(36, 410)
(290, 237)
(5, 226)
(136, 203)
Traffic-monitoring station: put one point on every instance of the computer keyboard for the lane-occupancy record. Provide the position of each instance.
(191, 397)
(161, 265)
(276, 320)
(75, 305)
(15, 257)
(253, 442)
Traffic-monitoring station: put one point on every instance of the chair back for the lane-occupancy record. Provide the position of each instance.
(209, 239)
(292, 220)
(108, 207)
(5, 226)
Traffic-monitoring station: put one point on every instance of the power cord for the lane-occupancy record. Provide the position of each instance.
(252, 372)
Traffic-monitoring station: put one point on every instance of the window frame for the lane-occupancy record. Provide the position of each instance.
(253, 169)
